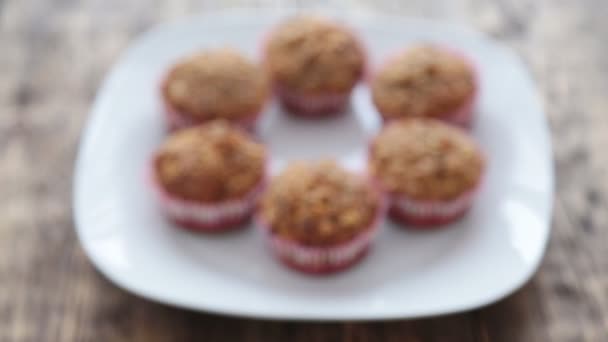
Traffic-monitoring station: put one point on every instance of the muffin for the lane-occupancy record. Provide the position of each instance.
(320, 218)
(426, 81)
(209, 177)
(313, 63)
(214, 84)
(430, 170)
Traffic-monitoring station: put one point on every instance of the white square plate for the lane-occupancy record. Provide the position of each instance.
(478, 260)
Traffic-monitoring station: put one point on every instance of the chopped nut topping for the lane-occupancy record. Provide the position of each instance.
(210, 163)
(318, 204)
(425, 159)
(312, 54)
(216, 84)
(423, 81)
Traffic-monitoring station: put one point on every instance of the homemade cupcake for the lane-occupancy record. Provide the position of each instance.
(318, 217)
(314, 63)
(431, 170)
(209, 177)
(214, 84)
(426, 81)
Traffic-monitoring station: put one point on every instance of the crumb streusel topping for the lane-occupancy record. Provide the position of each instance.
(216, 84)
(312, 54)
(318, 204)
(425, 159)
(423, 81)
(210, 163)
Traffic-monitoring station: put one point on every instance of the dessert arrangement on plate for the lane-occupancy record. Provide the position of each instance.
(424, 169)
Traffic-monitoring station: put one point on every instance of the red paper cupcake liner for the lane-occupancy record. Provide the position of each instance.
(421, 213)
(208, 217)
(309, 105)
(462, 116)
(326, 259)
(177, 120)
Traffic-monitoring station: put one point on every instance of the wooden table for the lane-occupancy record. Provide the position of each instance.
(53, 55)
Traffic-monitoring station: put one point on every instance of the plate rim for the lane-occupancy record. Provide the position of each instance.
(356, 16)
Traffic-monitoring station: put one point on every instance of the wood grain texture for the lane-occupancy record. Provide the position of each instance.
(53, 55)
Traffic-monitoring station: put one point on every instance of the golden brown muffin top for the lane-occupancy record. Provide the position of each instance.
(425, 159)
(210, 163)
(318, 204)
(216, 84)
(313, 54)
(423, 81)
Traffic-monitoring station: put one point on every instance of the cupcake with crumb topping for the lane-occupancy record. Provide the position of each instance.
(426, 81)
(214, 84)
(209, 177)
(320, 218)
(431, 170)
(313, 63)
